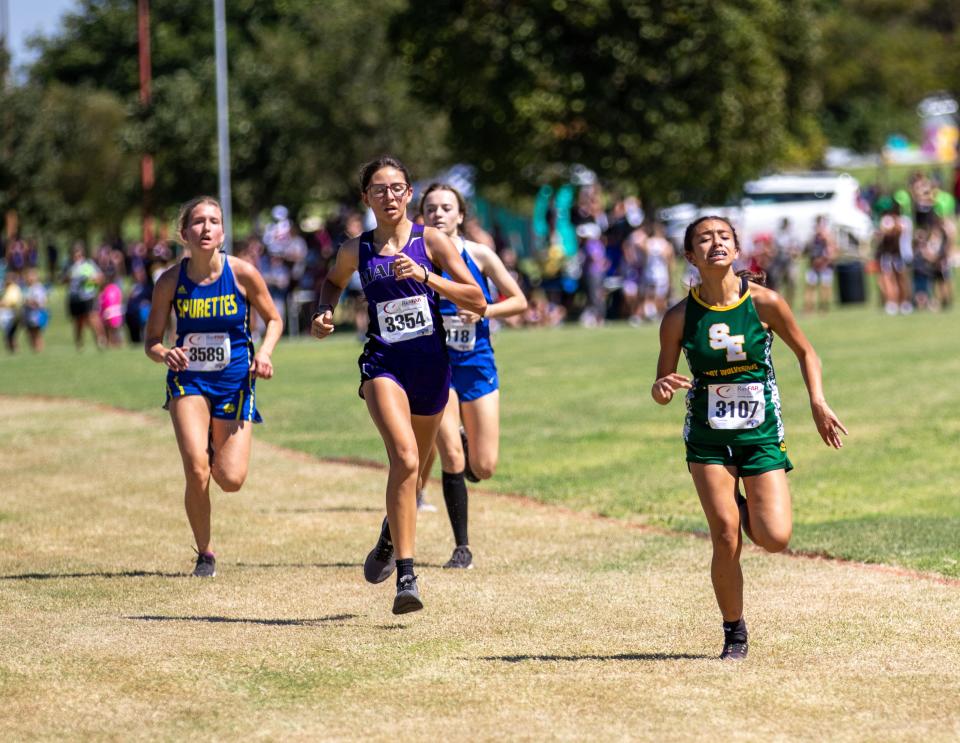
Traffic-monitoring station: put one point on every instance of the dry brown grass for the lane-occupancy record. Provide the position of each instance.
(571, 627)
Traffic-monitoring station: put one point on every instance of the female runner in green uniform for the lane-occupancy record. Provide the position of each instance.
(733, 428)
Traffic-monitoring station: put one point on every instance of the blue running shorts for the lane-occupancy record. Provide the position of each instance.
(231, 402)
(475, 377)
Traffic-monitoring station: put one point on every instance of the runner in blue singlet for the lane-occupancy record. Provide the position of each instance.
(475, 392)
(211, 393)
(404, 370)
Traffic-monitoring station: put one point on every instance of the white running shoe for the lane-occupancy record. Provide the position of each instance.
(423, 506)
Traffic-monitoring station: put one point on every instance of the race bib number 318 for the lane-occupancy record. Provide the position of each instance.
(404, 319)
(736, 406)
(461, 336)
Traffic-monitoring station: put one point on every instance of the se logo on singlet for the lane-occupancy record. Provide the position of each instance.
(720, 339)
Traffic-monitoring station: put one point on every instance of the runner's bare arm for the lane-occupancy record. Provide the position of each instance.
(776, 313)
(668, 380)
(461, 288)
(160, 306)
(259, 297)
(491, 265)
(348, 258)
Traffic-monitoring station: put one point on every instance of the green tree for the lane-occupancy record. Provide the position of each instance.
(798, 48)
(677, 97)
(314, 91)
(63, 167)
(880, 58)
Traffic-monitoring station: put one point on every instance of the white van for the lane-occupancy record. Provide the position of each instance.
(801, 197)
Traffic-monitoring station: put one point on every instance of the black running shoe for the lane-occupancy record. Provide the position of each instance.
(408, 596)
(735, 643)
(734, 651)
(380, 563)
(467, 472)
(462, 558)
(206, 566)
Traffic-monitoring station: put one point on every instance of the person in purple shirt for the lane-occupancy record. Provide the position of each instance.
(404, 368)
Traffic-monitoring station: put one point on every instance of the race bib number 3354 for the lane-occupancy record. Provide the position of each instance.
(735, 406)
(404, 319)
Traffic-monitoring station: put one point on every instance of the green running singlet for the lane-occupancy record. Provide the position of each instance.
(734, 399)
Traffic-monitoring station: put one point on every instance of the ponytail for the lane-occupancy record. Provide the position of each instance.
(757, 276)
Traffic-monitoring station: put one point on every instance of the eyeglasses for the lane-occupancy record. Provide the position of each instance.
(380, 190)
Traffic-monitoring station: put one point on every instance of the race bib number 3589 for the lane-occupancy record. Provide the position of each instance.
(404, 319)
(207, 352)
(735, 406)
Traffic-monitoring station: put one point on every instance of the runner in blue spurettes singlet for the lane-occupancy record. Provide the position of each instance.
(213, 328)
(212, 365)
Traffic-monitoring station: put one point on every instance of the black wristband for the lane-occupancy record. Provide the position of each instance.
(320, 310)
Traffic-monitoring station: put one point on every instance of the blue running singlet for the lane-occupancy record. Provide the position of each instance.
(466, 339)
(471, 353)
(213, 328)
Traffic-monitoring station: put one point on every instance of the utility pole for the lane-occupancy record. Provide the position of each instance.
(5, 38)
(223, 122)
(8, 225)
(146, 160)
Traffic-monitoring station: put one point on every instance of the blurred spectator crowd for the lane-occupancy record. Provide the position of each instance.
(607, 259)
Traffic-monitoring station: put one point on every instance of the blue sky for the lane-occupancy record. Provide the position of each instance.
(27, 17)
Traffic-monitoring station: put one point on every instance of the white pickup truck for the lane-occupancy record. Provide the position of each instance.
(799, 197)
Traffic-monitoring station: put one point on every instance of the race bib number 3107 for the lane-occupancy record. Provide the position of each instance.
(404, 319)
(207, 352)
(735, 406)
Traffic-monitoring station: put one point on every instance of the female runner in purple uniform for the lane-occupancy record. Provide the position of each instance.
(404, 368)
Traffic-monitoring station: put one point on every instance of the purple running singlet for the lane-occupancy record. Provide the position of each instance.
(405, 337)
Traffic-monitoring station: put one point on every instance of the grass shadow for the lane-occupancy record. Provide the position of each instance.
(618, 656)
(324, 509)
(319, 621)
(271, 565)
(94, 574)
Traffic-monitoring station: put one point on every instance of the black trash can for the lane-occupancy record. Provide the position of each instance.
(850, 283)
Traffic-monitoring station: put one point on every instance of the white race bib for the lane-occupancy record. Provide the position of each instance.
(404, 319)
(736, 406)
(207, 352)
(461, 335)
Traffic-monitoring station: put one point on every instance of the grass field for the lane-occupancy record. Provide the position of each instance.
(571, 627)
(580, 430)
